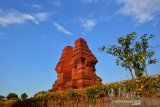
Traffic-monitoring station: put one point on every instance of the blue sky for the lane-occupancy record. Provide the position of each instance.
(33, 34)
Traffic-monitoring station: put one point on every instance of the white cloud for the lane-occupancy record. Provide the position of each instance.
(35, 6)
(88, 24)
(61, 29)
(141, 10)
(89, 1)
(56, 3)
(41, 16)
(15, 17)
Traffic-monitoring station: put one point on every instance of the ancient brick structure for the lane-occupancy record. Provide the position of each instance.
(76, 68)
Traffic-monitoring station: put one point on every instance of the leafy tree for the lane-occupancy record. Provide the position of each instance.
(94, 92)
(132, 54)
(40, 94)
(12, 96)
(24, 96)
(2, 98)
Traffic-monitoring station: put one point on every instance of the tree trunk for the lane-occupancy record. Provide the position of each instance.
(137, 70)
(146, 71)
(130, 70)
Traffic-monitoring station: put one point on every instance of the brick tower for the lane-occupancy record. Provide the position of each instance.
(76, 68)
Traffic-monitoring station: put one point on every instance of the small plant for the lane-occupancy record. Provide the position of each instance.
(24, 96)
(94, 93)
(12, 96)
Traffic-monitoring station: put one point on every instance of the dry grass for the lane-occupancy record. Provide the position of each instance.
(105, 102)
(7, 103)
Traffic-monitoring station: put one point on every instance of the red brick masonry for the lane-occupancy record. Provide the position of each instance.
(76, 68)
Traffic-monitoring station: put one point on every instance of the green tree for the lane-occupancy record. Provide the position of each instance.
(2, 98)
(24, 96)
(40, 94)
(132, 54)
(12, 96)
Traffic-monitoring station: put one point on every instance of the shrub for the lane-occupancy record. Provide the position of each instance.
(12, 96)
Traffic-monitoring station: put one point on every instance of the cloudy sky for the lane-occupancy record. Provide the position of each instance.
(34, 32)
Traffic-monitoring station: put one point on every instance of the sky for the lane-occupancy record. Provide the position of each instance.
(33, 34)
